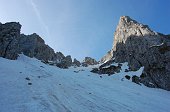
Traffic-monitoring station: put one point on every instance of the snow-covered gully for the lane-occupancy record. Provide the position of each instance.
(27, 85)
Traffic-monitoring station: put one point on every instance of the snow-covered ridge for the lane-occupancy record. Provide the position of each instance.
(27, 85)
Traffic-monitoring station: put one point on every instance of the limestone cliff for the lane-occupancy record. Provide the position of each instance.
(138, 45)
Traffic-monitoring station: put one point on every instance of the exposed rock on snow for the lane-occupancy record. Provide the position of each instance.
(34, 46)
(9, 33)
(65, 62)
(59, 57)
(76, 63)
(89, 61)
(107, 68)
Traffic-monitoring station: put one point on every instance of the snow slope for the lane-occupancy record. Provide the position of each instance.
(58, 90)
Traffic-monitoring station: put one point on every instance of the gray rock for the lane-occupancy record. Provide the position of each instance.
(68, 60)
(13, 43)
(107, 70)
(76, 63)
(138, 45)
(89, 61)
(34, 46)
(106, 63)
(9, 33)
(59, 57)
(127, 77)
(128, 27)
(107, 57)
(136, 79)
(65, 62)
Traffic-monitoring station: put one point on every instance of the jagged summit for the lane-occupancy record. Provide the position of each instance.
(138, 45)
(128, 27)
(127, 19)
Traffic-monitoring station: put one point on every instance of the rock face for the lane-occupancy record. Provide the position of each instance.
(76, 63)
(65, 62)
(68, 61)
(9, 34)
(58, 57)
(108, 56)
(128, 27)
(89, 61)
(138, 45)
(13, 43)
(34, 46)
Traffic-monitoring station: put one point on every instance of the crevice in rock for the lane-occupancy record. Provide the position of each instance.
(7, 48)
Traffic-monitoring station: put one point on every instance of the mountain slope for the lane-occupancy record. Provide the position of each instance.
(51, 89)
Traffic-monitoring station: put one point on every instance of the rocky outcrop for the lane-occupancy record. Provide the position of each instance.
(13, 43)
(65, 62)
(128, 27)
(68, 60)
(34, 46)
(108, 56)
(89, 61)
(59, 57)
(107, 68)
(138, 45)
(111, 69)
(76, 63)
(9, 34)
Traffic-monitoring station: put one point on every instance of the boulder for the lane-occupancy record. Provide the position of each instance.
(127, 77)
(68, 60)
(112, 69)
(136, 79)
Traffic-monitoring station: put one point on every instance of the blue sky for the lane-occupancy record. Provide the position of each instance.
(83, 27)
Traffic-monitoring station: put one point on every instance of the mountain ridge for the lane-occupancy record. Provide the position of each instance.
(12, 43)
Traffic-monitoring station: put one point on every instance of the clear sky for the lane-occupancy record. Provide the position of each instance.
(83, 27)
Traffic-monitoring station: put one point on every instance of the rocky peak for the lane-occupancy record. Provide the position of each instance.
(138, 45)
(128, 27)
(89, 61)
